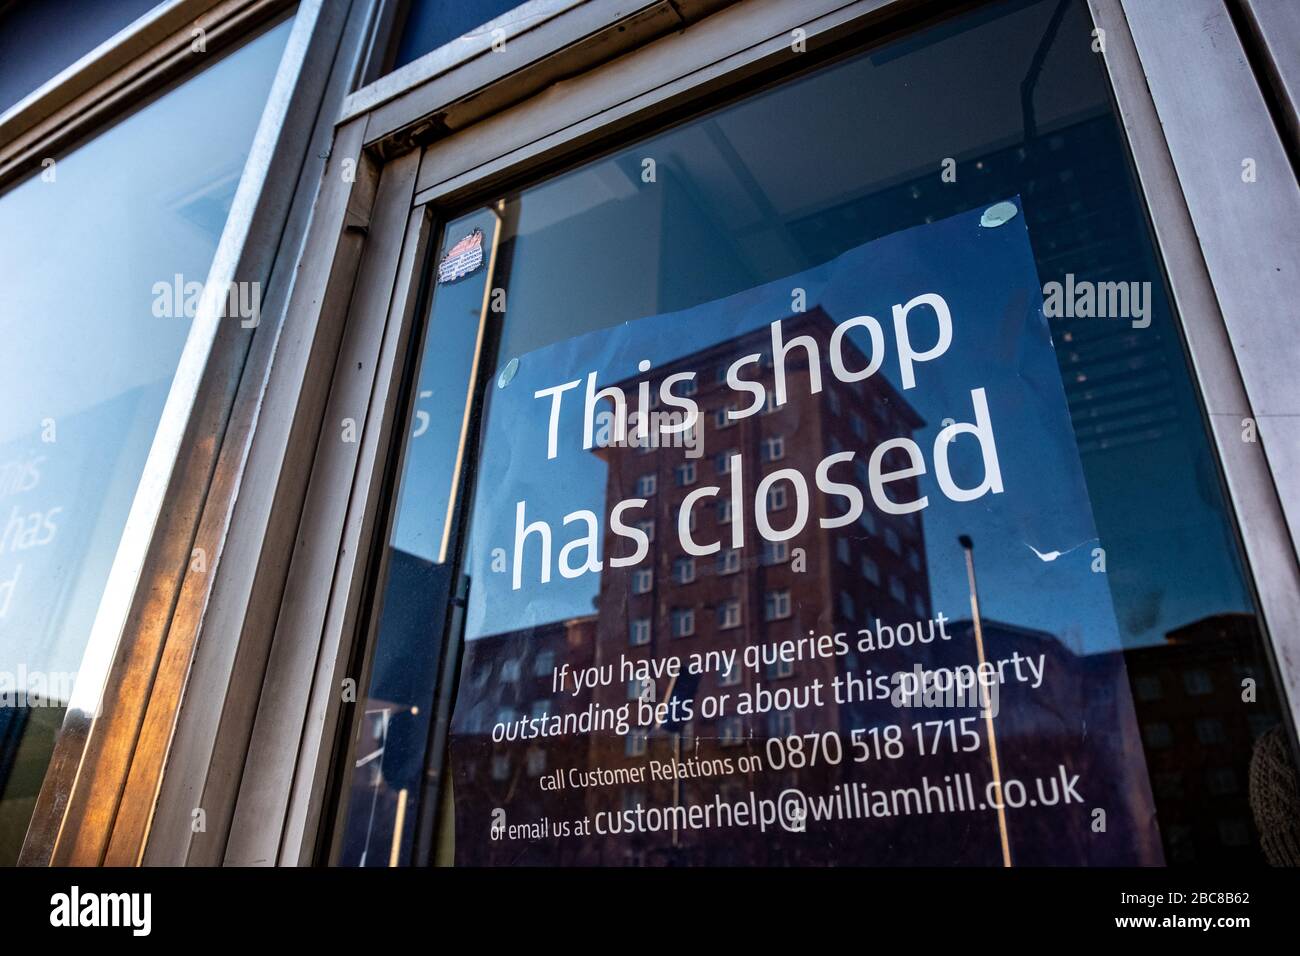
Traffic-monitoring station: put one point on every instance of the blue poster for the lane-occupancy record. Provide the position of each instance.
(807, 575)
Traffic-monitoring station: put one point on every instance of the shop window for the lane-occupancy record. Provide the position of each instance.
(103, 252)
(1102, 442)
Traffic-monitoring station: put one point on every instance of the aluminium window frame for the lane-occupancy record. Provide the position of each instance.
(263, 644)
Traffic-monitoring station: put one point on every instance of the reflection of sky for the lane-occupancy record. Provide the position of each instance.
(144, 200)
(1000, 343)
(81, 487)
(439, 408)
(138, 204)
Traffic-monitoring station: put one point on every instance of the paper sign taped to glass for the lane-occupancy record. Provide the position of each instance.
(805, 575)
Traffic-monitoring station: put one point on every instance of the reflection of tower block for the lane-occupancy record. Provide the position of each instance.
(821, 581)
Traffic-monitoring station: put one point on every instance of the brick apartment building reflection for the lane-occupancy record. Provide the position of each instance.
(1203, 700)
(673, 605)
(1132, 412)
(818, 582)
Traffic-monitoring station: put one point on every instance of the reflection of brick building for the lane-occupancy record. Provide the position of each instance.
(1078, 722)
(822, 581)
(819, 581)
(1199, 734)
(517, 666)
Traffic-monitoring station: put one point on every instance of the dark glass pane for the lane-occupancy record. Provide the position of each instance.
(432, 23)
(40, 38)
(1112, 602)
(385, 782)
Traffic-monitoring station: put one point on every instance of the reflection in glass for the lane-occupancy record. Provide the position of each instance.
(386, 784)
(39, 40)
(432, 23)
(738, 202)
(98, 253)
